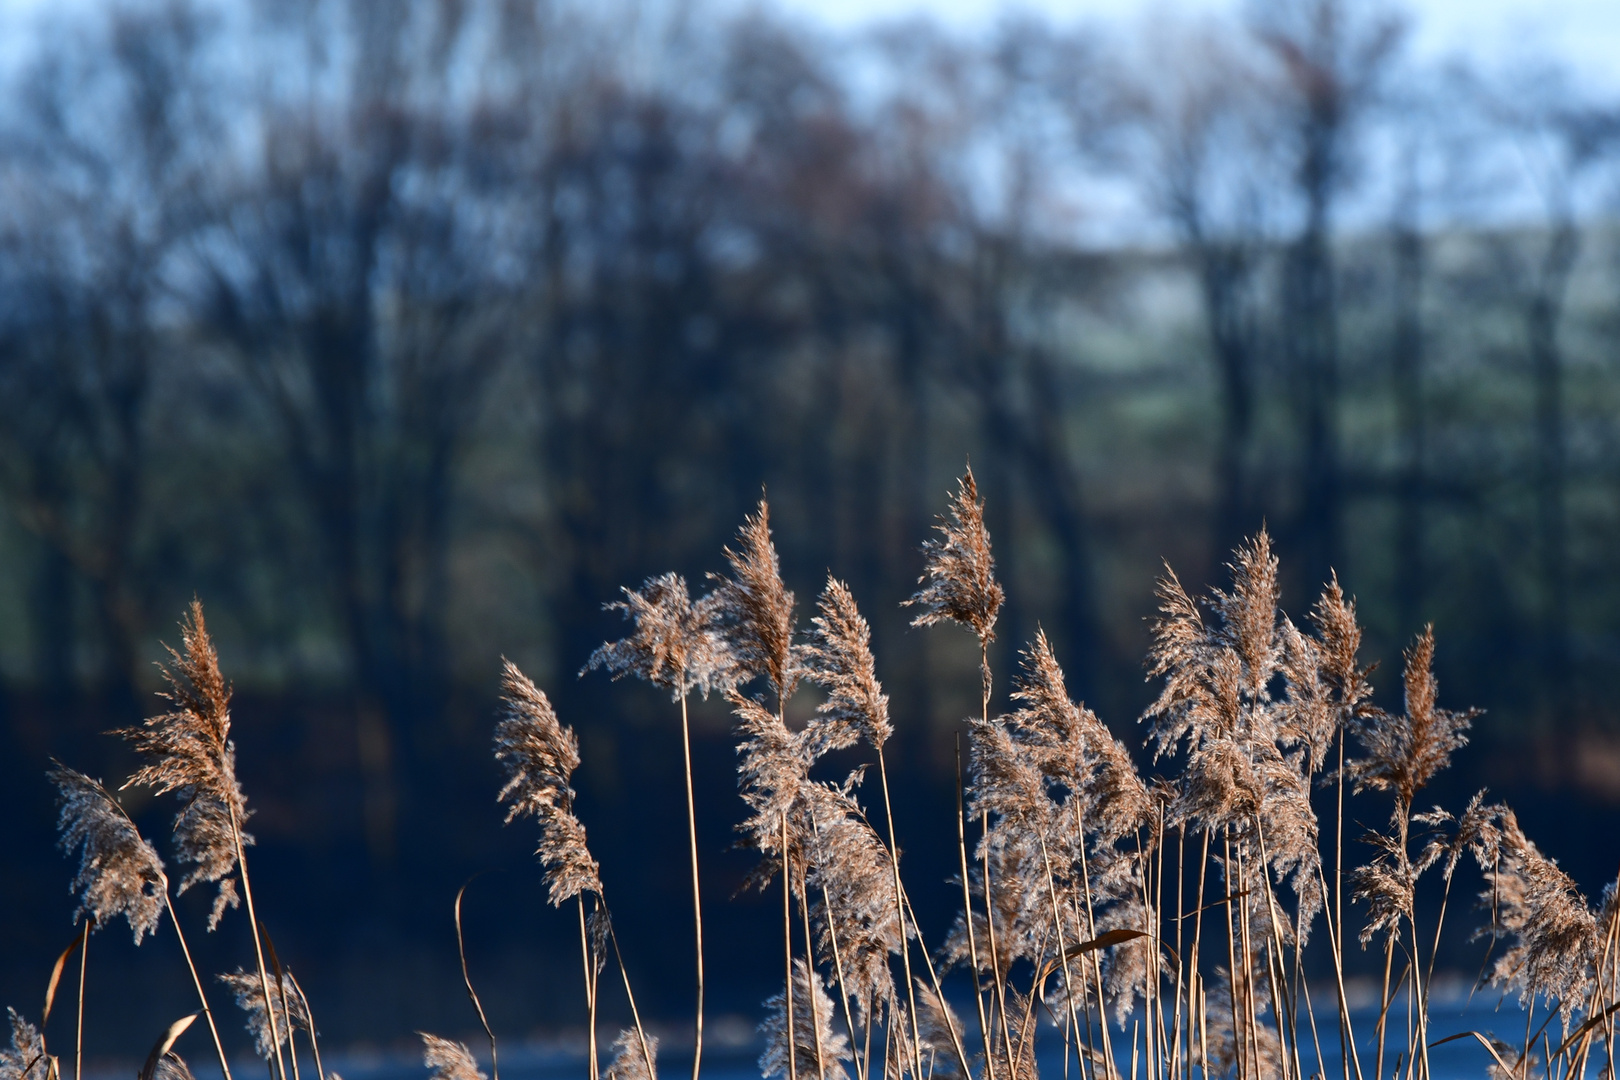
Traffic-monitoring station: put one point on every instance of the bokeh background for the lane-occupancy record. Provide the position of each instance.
(402, 335)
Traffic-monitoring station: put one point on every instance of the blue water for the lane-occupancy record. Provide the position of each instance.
(1450, 1013)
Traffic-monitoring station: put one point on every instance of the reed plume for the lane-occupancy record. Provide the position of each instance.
(815, 1041)
(120, 873)
(449, 1060)
(839, 659)
(959, 577)
(851, 871)
(287, 1008)
(1402, 753)
(26, 1059)
(633, 1059)
(189, 751)
(1552, 934)
(676, 645)
(753, 610)
(539, 756)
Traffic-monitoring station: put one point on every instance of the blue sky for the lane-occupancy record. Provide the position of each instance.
(1584, 32)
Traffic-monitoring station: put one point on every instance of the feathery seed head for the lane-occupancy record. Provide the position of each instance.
(539, 756)
(449, 1060)
(1404, 752)
(26, 1059)
(119, 870)
(753, 610)
(189, 751)
(631, 1061)
(1249, 613)
(1074, 749)
(839, 659)
(1552, 934)
(172, 1066)
(812, 1029)
(286, 1000)
(675, 644)
(773, 774)
(959, 577)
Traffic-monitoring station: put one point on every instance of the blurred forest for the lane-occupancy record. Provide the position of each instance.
(403, 336)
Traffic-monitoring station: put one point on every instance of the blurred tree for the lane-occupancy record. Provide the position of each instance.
(1332, 59)
(104, 157)
(361, 276)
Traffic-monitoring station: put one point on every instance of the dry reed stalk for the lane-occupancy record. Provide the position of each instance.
(189, 752)
(676, 646)
(466, 978)
(539, 756)
(448, 1060)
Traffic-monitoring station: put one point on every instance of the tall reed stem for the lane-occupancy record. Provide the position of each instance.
(208, 1014)
(78, 1039)
(967, 915)
(810, 989)
(787, 950)
(697, 898)
(590, 985)
(258, 948)
(900, 913)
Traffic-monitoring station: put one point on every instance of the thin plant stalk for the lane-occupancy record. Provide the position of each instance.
(1194, 1004)
(843, 992)
(208, 1013)
(995, 959)
(1283, 1006)
(1062, 947)
(315, 1042)
(630, 995)
(466, 977)
(1347, 1034)
(810, 971)
(933, 978)
(1239, 1034)
(787, 949)
(1096, 958)
(697, 898)
(78, 1039)
(590, 985)
(967, 915)
(1389, 960)
(899, 910)
(1176, 1059)
(258, 948)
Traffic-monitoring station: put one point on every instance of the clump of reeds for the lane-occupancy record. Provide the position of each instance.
(1097, 903)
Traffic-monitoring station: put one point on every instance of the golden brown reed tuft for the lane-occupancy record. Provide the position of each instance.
(1404, 752)
(959, 577)
(820, 1050)
(26, 1059)
(539, 756)
(1552, 934)
(188, 750)
(754, 610)
(631, 1059)
(449, 1060)
(676, 643)
(119, 870)
(286, 1007)
(839, 659)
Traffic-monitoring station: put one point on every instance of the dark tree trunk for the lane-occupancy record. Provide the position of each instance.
(1407, 364)
(1542, 314)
